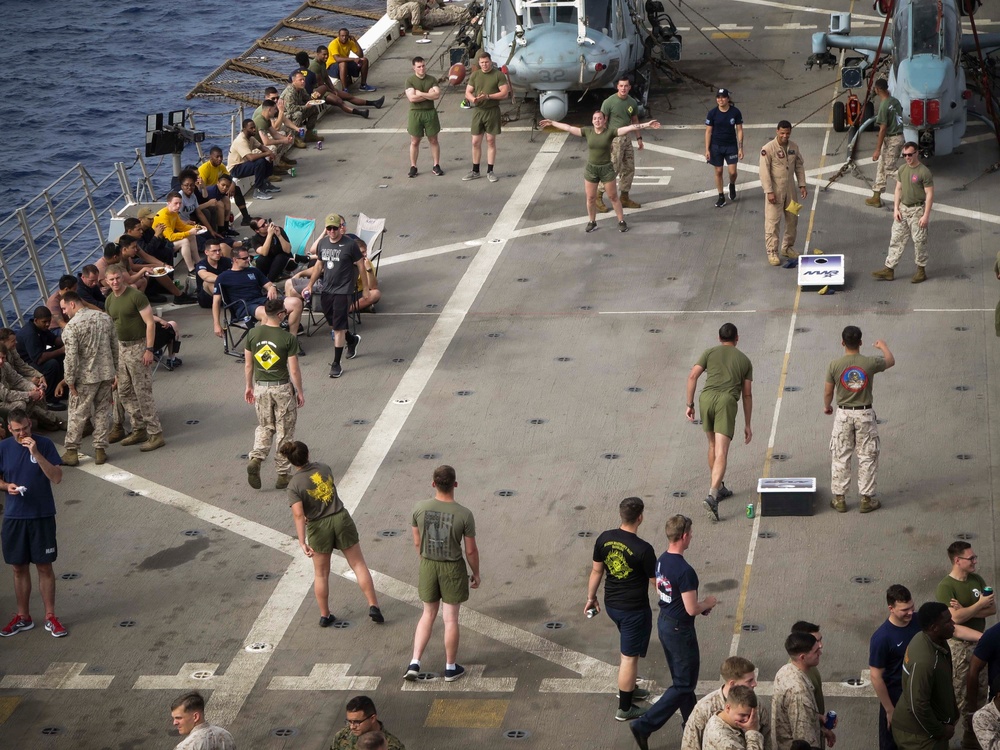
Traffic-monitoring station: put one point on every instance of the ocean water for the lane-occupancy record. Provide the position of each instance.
(79, 77)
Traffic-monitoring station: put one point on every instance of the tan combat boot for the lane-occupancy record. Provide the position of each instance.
(154, 442)
(253, 473)
(628, 202)
(920, 275)
(838, 504)
(790, 252)
(601, 206)
(886, 274)
(281, 482)
(868, 504)
(876, 200)
(100, 456)
(116, 434)
(773, 259)
(137, 436)
(71, 457)
(298, 143)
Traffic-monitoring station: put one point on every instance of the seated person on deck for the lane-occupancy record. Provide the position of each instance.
(300, 108)
(197, 207)
(44, 351)
(340, 50)
(151, 239)
(325, 89)
(178, 231)
(248, 285)
(273, 249)
(208, 271)
(89, 287)
(214, 170)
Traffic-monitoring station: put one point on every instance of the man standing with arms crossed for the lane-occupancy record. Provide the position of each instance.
(724, 142)
(730, 375)
(487, 87)
(912, 204)
(441, 528)
(850, 378)
(631, 566)
(886, 651)
(621, 110)
(91, 364)
(422, 91)
(677, 586)
(274, 388)
(781, 166)
(890, 140)
(136, 329)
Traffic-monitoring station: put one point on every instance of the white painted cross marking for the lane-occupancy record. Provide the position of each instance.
(472, 682)
(192, 675)
(59, 676)
(790, 27)
(326, 677)
(652, 179)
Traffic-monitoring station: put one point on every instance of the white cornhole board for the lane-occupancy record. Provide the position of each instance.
(821, 270)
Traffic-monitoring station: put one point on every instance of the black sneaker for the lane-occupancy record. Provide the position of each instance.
(712, 506)
(720, 201)
(325, 622)
(352, 349)
(376, 614)
(336, 370)
(591, 226)
(437, 171)
(412, 172)
(450, 675)
(724, 492)
(622, 226)
(412, 672)
(230, 232)
(732, 191)
(245, 221)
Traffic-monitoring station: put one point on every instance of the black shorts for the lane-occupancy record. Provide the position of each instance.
(29, 540)
(634, 628)
(335, 308)
(723, 154)
(353, 68)
(163, 336)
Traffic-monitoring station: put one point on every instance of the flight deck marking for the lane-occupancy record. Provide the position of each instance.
(59, 676)
(803, 9)
(472, 682)
(326, 677)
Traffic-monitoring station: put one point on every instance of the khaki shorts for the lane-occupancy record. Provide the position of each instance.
(486, 121)
(421, 122)
(718, 412)
(443, 581)
(338, 531)
(600, 173)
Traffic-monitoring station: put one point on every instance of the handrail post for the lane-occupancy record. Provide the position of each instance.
(93, 208)
(29, 244)
(55, 229)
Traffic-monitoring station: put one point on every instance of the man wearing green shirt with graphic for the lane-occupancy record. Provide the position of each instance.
(890, 139)
(730, 375)
(911, 214)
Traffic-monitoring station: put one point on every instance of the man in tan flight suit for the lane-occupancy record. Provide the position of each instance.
(779, 159)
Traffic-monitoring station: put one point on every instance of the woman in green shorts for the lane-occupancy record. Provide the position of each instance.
(599, 168)
(323, 525)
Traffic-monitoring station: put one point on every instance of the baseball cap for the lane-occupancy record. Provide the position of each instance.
(145, 212)
(334, 220)
(722, 92)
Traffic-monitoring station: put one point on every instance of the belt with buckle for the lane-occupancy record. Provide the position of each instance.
(854, 408)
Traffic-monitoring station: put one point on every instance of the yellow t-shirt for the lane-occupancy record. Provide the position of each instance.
(210, 174)
(343, 50)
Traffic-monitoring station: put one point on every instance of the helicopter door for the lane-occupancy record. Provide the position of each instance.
(599, 15)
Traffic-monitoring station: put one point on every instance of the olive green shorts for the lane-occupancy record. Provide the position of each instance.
(718, 412)
(600, 173)
(326, 534)
(486, 121)
(443, 581)
(421, 122)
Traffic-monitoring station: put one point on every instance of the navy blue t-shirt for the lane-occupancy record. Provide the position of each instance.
(988, 649)
(247, 285)
(18, 466)
(724, 125)
(225, 264)
(674, 577)
(886, 651)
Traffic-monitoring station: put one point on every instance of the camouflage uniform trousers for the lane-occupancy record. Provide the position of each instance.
(398, 11)
(904, 230)
(888, 161)
(35, 410)
(92, 401)
(961, 656)
(854, 432)
(447, 16)
(276, 414)
(623, 160)
(135, 387)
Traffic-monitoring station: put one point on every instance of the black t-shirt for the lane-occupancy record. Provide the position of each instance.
(724, 125)
(630, 562)
(91, 294)
(33, 342)
(340, 274)
(225, 264)
(674, 577)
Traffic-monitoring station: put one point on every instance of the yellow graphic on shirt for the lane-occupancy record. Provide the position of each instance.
(266, 357)
(323, 489)
(616, 563)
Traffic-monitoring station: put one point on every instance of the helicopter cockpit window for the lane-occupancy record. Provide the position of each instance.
(599, 14)
(927, 26)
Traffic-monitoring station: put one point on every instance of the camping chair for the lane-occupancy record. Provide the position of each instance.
(299, 232)
(236, 316)
(372, 232)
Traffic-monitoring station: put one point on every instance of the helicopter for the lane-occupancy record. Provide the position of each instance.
(552, 47)
(929, 55)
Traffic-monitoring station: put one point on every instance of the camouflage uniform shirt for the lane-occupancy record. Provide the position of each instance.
(795, 716)
(206, 736)
(345, 739)
(91, 348)
(720, 736)
(708, 707)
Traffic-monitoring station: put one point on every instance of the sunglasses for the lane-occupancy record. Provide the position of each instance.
(908, 154)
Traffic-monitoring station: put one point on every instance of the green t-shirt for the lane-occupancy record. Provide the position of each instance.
(423, 85)
(313, 486)
(125, 311)
(270, 348)
(890, 114)
(599, 144)
(817, 682)
(726, 368)
(912, 181)
(852, 377)
(442, 527)
(966, 593)
(487, 83)
(619, 111)
(262, 123)
(319, 70)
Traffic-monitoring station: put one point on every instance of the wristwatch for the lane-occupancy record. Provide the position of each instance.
(150, 349)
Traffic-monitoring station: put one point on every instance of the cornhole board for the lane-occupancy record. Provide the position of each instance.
(821, 270)
(787, 496)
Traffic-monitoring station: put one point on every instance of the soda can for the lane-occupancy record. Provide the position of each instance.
(292, 171)
(591, 612)
(750, 510)
(987, 590)
(306, 295)
(319, 145)
(831, 720)
(302, 132)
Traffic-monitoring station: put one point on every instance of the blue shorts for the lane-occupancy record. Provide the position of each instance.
(723, 154)
(29, 540)
(634, 626)
(353, 68)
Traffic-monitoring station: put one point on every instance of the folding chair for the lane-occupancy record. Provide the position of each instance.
(235, 315)
(372, 232)
(312, 316)
(299, 232)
